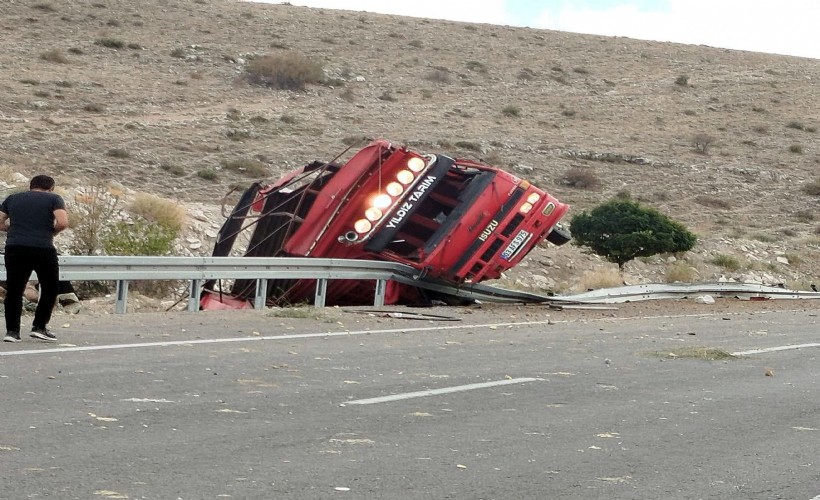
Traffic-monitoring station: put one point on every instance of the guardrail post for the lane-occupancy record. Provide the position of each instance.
(193, 297)
(122, 297)
(381, 286)
(261, 293)
(321, 291)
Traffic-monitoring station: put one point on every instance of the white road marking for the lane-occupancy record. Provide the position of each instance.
(171, 343)
(434, 392)
(775, 349)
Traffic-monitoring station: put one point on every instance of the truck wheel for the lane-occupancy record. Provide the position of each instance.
(559, 235)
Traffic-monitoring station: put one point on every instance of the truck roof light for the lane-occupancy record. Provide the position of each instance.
(362, 226)
(382, 201)
(415, 164)
(373, 214)
(405, 176)
(394, 189)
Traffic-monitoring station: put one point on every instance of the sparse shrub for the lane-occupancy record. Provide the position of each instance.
(173, 169)
(526, 74)
(795, 125)
(426, 93)
(55, 56)
(796, 149)
(246, 166)
(569, 113)
(812, 188)
(581, 71)
(92, 210)
(388, 96)
(804, 216)
(111, 43)
(580, 178)
(476, 66)
(238, 134)
(207, 174)
(761, 129)
(681, 272)
(712, 202)
(764, 238)
(118, 153)
(76, 51)
(416, 44)
(285, 71)
(758, 109)
(438, 75)
(682, 80)
(178, 53)
(348, 95)
(160, 211)
(134, 46)
(702, 142)
(727, 262)
(29, 81)
(44, 6)
(94, 108)
(289, 119)
(623, 194)
(472, 146)
(511, 111)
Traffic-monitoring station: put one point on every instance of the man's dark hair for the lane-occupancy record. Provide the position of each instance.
(43, 182)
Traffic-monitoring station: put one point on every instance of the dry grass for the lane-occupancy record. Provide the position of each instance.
(286, 71)
(602, 277)
(681, 272)
(164, 212)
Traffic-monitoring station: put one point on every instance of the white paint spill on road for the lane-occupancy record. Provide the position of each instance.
(775, 349)
(445, 390)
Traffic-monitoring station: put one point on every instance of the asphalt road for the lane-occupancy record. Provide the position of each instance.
(504, 404)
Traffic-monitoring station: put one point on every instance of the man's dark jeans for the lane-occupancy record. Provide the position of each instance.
(20, 262)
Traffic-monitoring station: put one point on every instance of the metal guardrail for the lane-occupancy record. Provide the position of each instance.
(653, 291)
(124, 269)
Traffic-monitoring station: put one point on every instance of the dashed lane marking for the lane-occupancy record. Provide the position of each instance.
(444, 390)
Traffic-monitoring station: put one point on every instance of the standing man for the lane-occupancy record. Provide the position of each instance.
(32, 218)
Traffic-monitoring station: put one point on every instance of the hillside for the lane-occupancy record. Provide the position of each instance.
(150, 95)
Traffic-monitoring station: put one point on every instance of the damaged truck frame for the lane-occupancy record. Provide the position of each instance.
(456, 220)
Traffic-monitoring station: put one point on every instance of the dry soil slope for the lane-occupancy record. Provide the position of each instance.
(171, 103)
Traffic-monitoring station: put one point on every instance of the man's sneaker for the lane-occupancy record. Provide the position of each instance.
(43, 334)
(12, 337)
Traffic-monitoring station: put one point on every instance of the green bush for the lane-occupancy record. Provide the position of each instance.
(728, 262)
(138, 238)
(621, 230)
(285, 71)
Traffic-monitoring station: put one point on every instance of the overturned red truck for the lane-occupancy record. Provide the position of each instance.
(457, 220)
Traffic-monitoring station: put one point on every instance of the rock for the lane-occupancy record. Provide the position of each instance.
(783, 260)
(705, 299)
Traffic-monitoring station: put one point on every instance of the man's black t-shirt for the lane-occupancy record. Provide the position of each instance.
(31, 214)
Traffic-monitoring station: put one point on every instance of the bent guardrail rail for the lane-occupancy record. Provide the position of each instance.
(123, 269)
